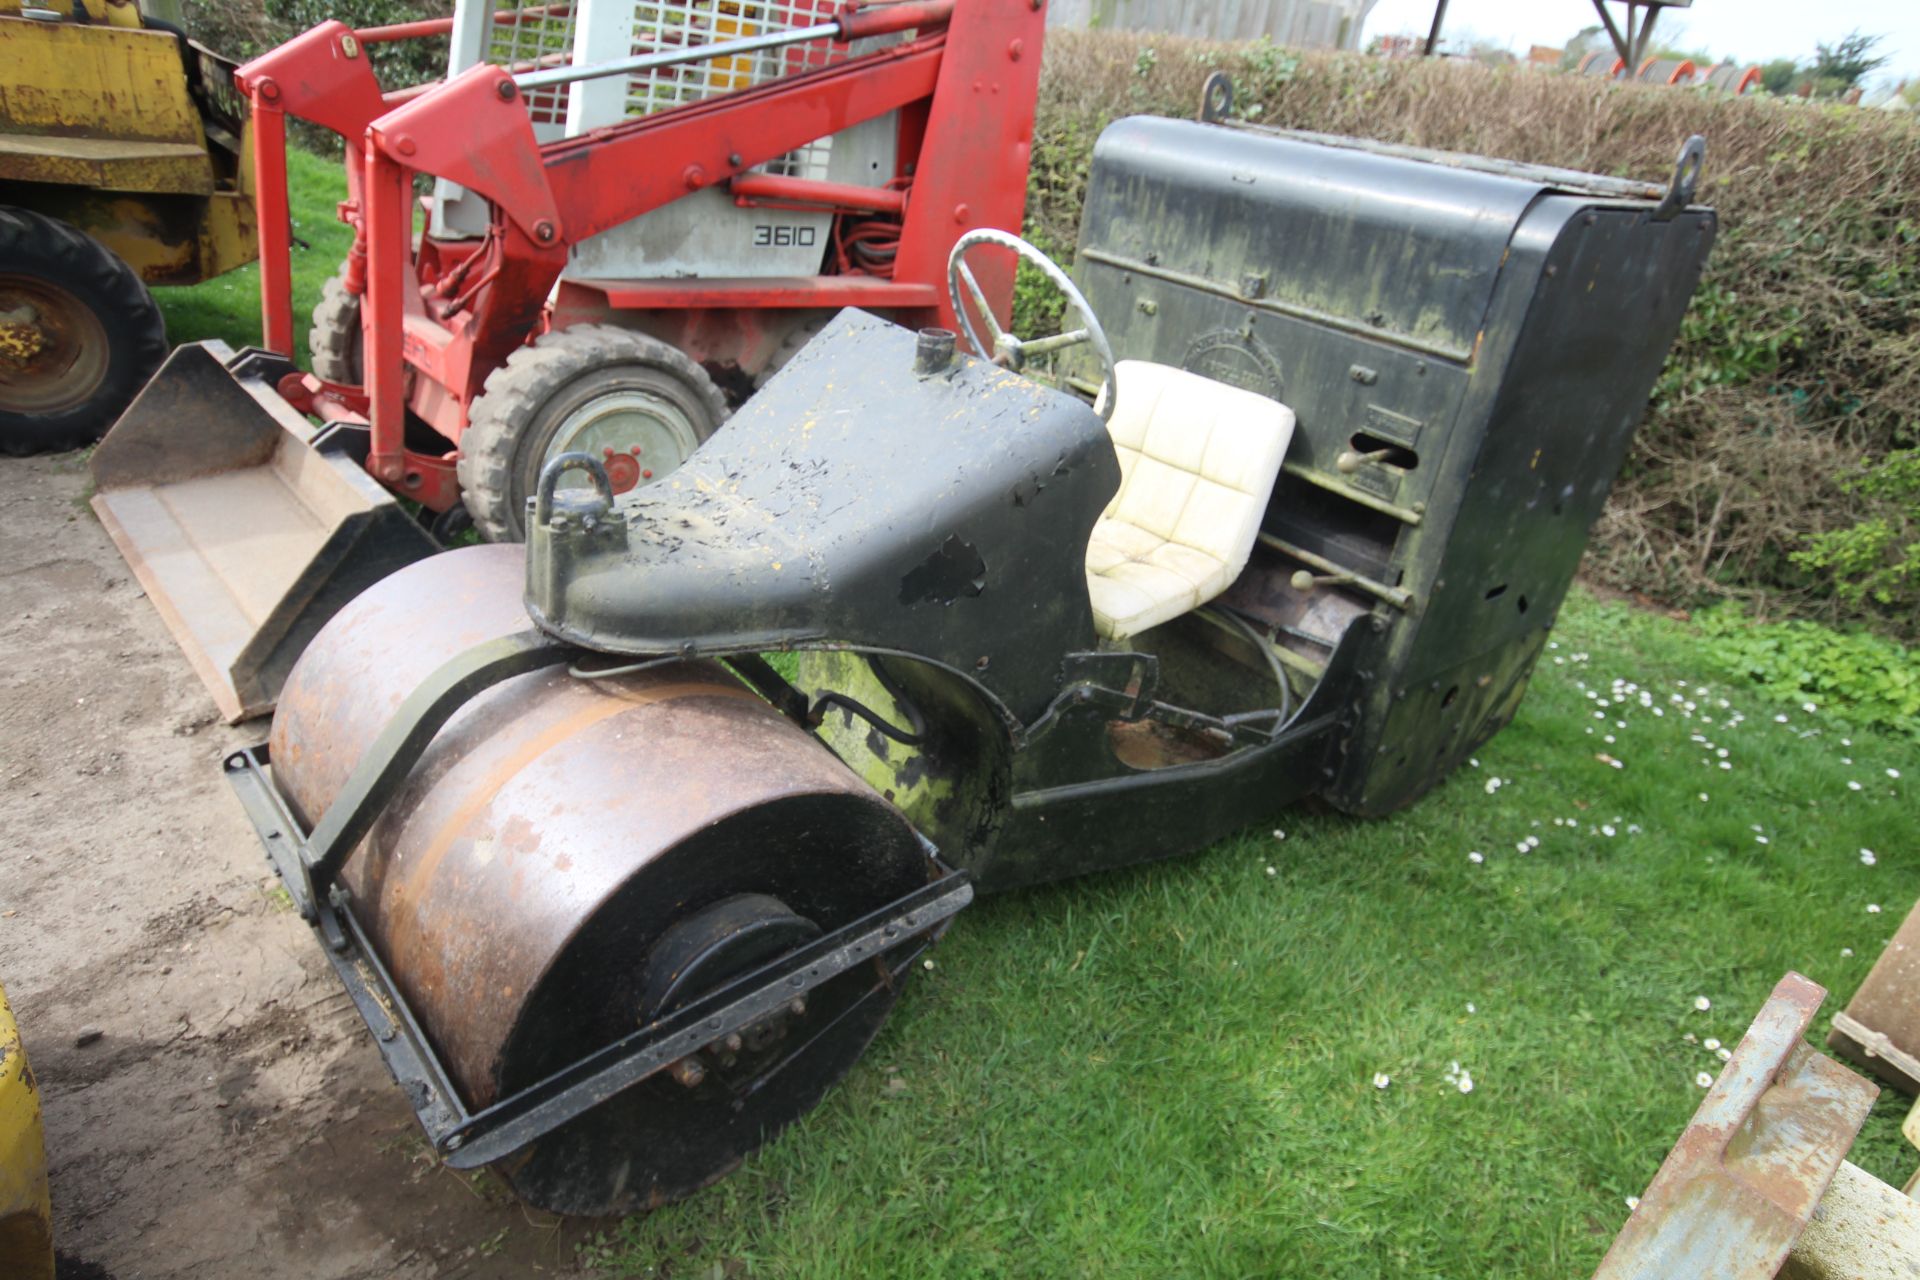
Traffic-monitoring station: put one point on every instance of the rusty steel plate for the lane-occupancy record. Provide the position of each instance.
(1741, 1184)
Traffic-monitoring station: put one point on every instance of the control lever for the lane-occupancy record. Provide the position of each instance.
(1303, 580)
(1351, 460)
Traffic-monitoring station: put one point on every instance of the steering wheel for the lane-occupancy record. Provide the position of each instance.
(1008, 350)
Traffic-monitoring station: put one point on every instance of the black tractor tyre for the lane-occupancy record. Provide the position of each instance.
(334, 341)
(797, 337)
(79, 335)
(513, 421)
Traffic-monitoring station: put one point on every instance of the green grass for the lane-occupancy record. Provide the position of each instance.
(1168, 1070)
(228, 307)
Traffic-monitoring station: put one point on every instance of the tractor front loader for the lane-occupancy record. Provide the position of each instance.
(620, 896)
(638, 213)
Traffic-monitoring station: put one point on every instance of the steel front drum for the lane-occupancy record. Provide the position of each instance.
(572, 858)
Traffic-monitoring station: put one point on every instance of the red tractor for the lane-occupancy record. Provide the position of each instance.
(634, 219)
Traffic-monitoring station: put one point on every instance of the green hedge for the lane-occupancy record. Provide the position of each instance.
(1777, 462)
(243, 28)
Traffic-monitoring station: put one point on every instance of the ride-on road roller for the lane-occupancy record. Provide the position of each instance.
(625, 841)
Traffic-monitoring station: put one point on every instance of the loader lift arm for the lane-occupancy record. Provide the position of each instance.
(320, 76)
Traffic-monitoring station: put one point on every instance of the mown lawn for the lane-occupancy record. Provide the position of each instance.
(1170, 1071)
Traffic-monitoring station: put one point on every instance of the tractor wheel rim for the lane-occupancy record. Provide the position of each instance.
(639, 436)
(53, 348)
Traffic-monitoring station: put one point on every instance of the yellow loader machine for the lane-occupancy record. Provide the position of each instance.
(122, 165)
(26, 1215)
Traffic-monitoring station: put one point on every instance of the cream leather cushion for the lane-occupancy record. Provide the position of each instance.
(1198, 459)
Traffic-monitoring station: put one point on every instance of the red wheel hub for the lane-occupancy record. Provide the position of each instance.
(624, 471)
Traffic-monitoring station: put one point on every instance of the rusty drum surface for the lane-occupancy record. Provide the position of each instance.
(550, 835)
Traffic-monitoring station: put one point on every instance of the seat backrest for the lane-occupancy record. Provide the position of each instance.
(1198, 458)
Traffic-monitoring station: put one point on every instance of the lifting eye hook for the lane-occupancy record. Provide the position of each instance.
(550, 480)
(1686, 177)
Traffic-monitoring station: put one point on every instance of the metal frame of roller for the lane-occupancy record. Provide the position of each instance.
(531, 840)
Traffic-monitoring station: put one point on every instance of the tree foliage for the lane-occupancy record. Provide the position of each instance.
(1848, 61)
(1585, 41)
(1780, 76)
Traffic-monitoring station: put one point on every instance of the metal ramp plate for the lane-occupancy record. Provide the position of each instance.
(1742, 1183)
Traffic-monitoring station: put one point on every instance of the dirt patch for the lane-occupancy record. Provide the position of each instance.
(231, 1118)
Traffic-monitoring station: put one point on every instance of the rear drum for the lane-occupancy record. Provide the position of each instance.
(574, 858)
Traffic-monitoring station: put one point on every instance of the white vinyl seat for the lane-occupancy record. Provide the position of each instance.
(1198, 460)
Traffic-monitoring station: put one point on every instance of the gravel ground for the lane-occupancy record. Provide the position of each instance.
(214, 1108)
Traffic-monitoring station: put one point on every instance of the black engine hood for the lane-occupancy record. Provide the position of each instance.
(854, 502)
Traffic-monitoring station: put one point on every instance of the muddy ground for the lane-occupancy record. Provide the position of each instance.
(231, 1117)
